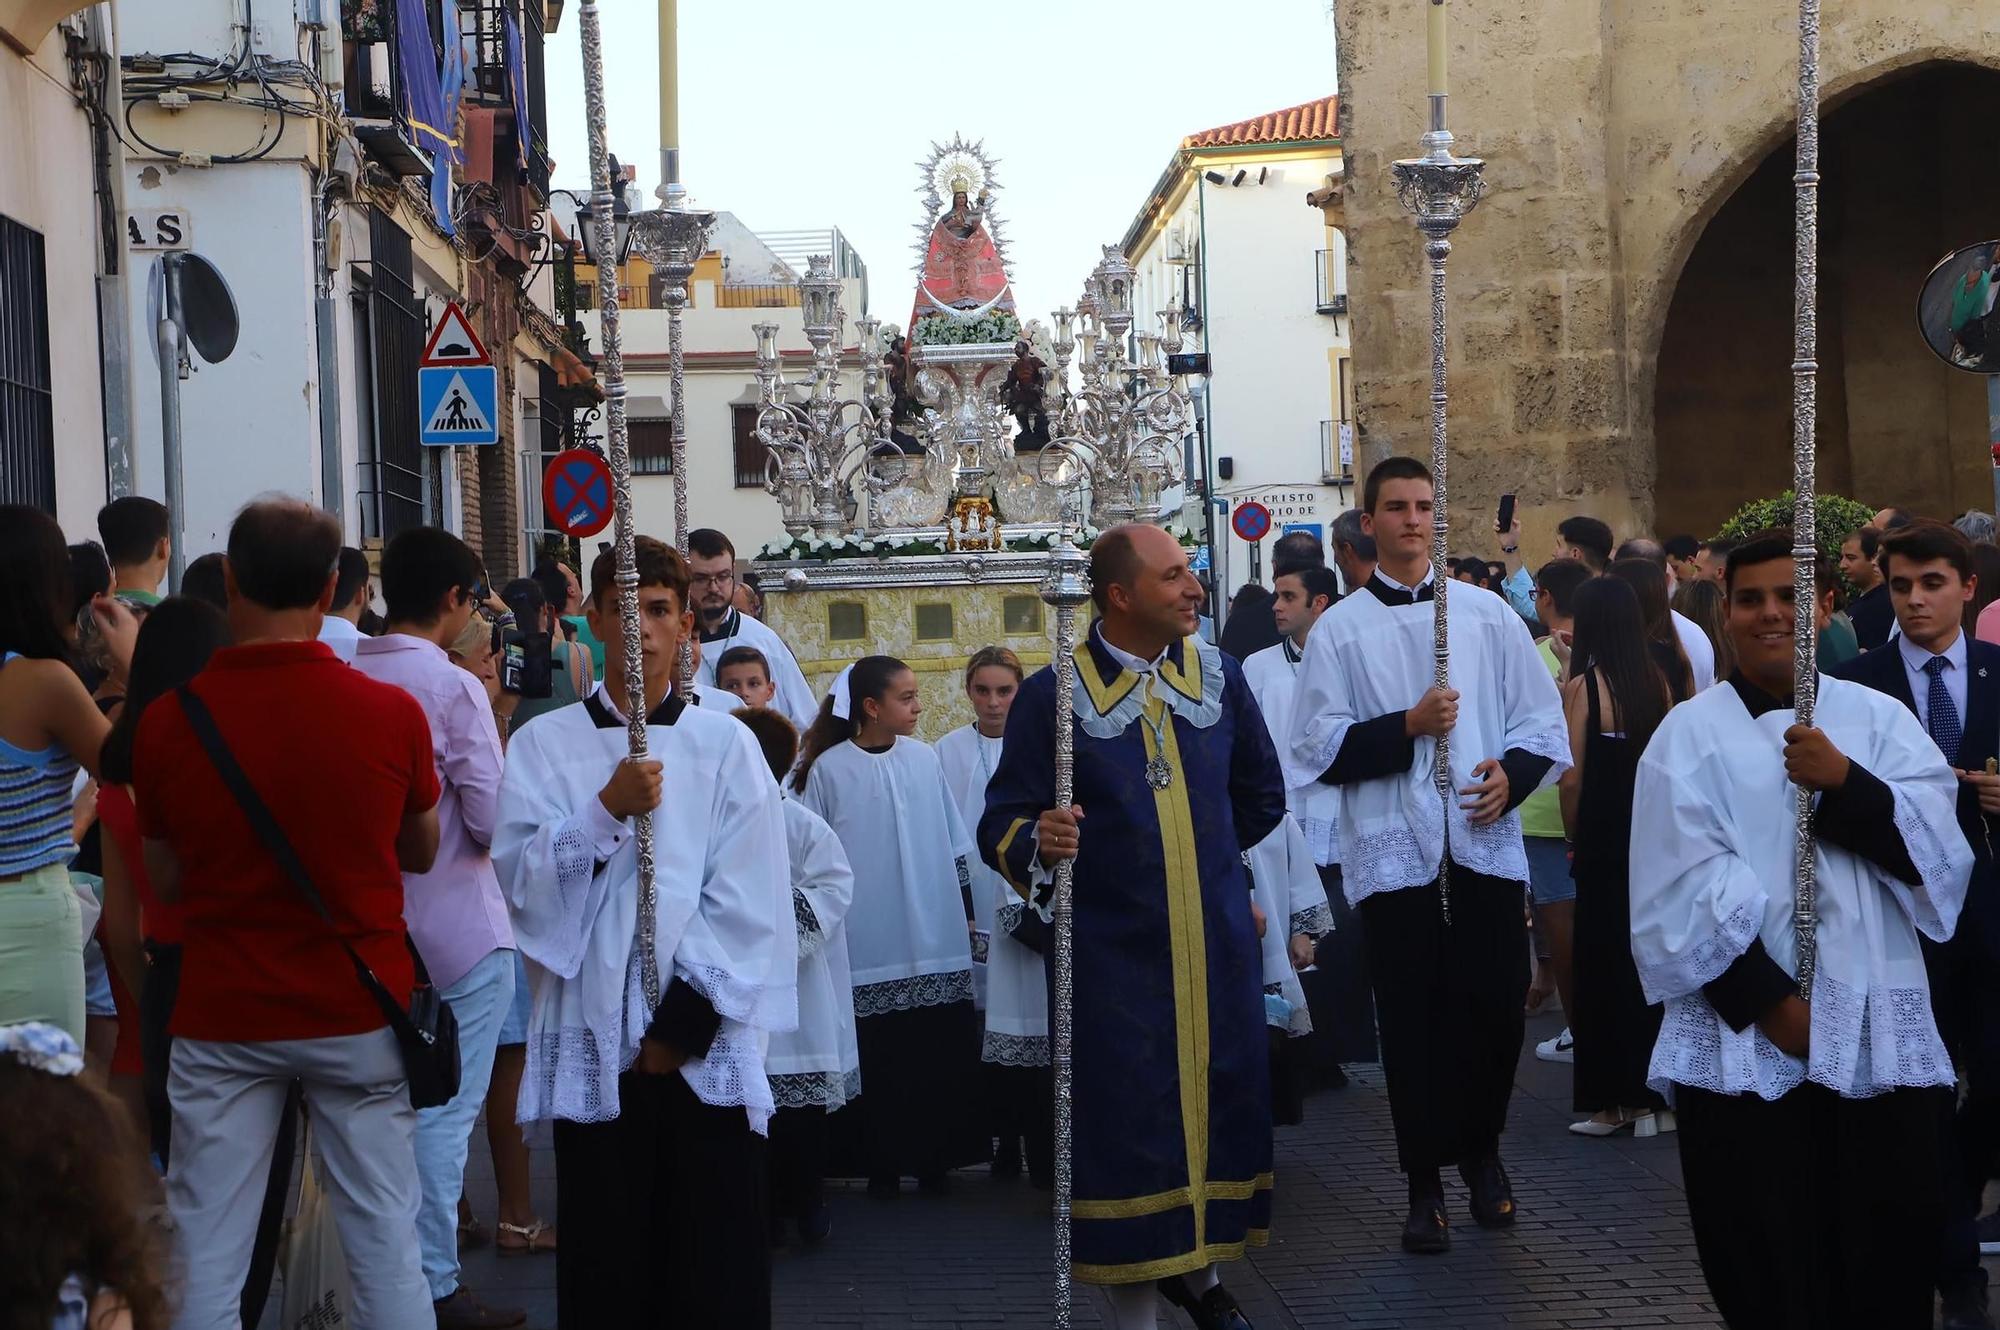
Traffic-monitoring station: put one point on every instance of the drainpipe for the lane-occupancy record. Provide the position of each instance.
(331, 473)
(113, 327)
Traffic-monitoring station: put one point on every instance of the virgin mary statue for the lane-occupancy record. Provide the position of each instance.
(963, 275)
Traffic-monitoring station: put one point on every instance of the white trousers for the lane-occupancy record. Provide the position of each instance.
(227, 1099)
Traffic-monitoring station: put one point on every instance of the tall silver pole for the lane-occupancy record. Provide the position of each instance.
(1066, 587)
(602, 205)
(1805, 421)
(1439, 189)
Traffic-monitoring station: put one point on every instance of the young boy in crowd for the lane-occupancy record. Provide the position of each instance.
(745, 672)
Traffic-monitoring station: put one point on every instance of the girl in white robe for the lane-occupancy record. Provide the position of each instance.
(1014, 1049)
(816, 1068)
(908, 930)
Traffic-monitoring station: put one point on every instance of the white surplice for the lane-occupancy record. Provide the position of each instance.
(818, 1064)
(968, 758)
(907, 936)
(1711, 870)
(1287, 889)
(1365, 659)
(1273, 677)
(794, 697)
(723, 921)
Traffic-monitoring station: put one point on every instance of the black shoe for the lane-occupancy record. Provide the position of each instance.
(1213, 1310)
(462, 1311)
(816, 1223)
(1007, 1159)
(1965, 1305)
(1492, 1200)
(1337, 1078)
(885, 1189)
(1427, 1231)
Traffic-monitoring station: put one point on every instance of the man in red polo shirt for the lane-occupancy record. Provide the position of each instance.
(267, 992)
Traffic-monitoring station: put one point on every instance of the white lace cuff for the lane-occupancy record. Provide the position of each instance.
(1684, 972)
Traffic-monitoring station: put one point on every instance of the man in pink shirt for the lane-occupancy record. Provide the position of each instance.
(457, 917)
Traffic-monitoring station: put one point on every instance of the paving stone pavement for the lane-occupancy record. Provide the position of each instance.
(1602, 1238)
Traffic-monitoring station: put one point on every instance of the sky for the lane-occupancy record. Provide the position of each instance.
(799, 114)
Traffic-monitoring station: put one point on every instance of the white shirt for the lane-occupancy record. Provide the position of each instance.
(1915, 658)
(1711, 871)
(794, 698)
(1700, 651)
(1273, 677)
(341, 635)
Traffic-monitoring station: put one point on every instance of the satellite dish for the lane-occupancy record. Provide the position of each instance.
(1956, 309)
(208, 311)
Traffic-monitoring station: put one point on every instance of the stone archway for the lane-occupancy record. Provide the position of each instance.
(1904, 181)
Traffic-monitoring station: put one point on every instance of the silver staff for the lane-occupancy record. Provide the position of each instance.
(602, 204)
(1066, 587)
(1439, 189)
(1805, 422)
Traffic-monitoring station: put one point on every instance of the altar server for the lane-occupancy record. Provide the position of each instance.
(1808, 1130)
(1175, 776)
(816, 1068)
(659, 1113)
(908, 931)
(712, 557)
(1007, 965)
(1337, 989)
(1447, 987)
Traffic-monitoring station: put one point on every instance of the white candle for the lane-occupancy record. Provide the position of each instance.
(1434, 44)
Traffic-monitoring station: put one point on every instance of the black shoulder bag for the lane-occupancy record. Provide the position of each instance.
(426, 1030)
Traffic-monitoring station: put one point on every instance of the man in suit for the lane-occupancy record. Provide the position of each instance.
(1952, 684)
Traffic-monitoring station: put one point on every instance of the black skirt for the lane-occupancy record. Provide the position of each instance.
(919, 1113)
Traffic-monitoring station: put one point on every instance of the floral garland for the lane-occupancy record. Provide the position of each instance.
(807, 548)
(944, 330)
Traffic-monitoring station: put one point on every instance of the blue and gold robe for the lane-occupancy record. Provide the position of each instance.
(1172, 1145)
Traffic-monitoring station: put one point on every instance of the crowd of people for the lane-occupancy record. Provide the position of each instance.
(353, 854)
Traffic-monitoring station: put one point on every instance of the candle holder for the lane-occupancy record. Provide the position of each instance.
(1438, 190)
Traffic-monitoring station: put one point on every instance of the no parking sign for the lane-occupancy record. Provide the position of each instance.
(576, 492)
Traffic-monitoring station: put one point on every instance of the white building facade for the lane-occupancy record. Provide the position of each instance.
(1229, 233)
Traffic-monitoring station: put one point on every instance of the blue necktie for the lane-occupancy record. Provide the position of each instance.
(1940, 716)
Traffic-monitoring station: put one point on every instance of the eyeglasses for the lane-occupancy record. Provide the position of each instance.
(713, 579)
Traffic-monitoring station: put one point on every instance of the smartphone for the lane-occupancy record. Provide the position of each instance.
(526, 664)
(1504, 522)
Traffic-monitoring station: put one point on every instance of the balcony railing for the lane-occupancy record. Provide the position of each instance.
(1336, 451)
(1326, 299)
(780, 295)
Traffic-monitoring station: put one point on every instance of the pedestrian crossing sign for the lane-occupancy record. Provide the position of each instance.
(458, 404)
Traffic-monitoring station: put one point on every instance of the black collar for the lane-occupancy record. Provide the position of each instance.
(1292, 653)
(1394, 595)
(666, 713)
(1755, 700)
(727, 629)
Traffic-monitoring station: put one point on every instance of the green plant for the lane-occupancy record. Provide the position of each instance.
(1835, 519)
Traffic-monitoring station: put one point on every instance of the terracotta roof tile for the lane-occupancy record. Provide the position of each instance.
(1311, 120)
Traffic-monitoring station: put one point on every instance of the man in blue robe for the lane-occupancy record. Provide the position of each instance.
(1175, 777)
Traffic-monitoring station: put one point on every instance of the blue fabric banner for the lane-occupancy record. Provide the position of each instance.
(517, 89)
(431, 95)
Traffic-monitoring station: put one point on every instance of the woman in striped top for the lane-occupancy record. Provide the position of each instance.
(48, 727)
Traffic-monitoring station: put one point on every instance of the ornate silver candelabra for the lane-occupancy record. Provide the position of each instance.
(1128, 420)
(819, 444)
(1439, 189)
(618, 444)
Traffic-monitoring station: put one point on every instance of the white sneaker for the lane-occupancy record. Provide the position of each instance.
(1558, 1048)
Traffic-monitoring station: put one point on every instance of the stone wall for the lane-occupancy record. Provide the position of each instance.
(1613, 134)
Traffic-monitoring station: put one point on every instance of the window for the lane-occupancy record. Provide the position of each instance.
(846, 621)
(753, 459)
(652, 444)
(27, 396)
(1021, 616)
(934, 623)
(389, 339)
